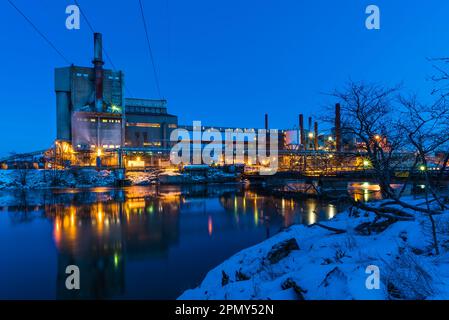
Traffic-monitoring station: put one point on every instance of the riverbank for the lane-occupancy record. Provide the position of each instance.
(314, 262)
(90, 177)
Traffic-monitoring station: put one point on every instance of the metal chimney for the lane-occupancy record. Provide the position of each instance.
(98, 68)
(316, 136)
(301, 130)
(338, 127)
(266, 121)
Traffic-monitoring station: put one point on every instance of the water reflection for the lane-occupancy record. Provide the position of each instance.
(154, 242)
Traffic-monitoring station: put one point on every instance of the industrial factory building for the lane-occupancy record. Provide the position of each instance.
(148, 124)
(95, 122)
(93, 116)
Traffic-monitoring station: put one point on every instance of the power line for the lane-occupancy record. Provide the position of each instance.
(39, 32)
(156, 79)
(104, 49)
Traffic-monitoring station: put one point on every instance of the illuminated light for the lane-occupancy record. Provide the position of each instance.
(366, 163)
(365, 184)
(310, 134)
(256, 213)
(422, 167)
(377, 137)
(209, 225)
(116, 260)
(330, 138)
(57, 224)
(331, 156)
(100, 217)
(366, 195)
(99, 152)
(115, 108)
(236, 207)
(66, 222)
(143, 125)
(331, 212)
(311, 214)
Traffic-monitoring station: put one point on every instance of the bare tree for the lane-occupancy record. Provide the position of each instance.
(426, 127)
(369, 115)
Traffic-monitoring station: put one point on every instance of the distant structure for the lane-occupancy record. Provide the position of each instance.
(89, 104)
(93, 114)
(98, 126)
(148, 124)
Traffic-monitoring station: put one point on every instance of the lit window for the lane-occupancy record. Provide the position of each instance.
(144, 125)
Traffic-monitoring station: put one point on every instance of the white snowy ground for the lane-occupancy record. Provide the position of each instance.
(41, 179)
(332, 266)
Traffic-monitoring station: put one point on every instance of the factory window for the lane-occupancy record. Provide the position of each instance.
(93, 120)
(143, 124)
(110, 120)
(152, 144)
(172, 125)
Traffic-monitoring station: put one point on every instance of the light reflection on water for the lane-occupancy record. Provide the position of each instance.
(138, 242)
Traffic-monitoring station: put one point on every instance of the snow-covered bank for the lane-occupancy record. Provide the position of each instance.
(41, 179)
(89, 177)
(305, 262)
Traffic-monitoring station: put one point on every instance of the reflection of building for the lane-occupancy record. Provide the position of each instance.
(99, 237)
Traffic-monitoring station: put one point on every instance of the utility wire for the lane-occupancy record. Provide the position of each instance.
(156, 79)
(104, 49)
(40, 33)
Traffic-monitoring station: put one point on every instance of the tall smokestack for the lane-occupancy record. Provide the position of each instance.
(338, 127)
(315, 136)
(301, 130)
(266, 121)
(310, 124)
(98, 67)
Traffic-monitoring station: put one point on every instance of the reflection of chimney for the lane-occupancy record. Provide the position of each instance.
(316, 136)
(98, 68)
(301, 130)
(338, 127)
(266, 121)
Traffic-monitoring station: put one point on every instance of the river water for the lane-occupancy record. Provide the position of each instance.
(149, 242)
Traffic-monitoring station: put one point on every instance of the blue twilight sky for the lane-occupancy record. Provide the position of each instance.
(222, 62)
